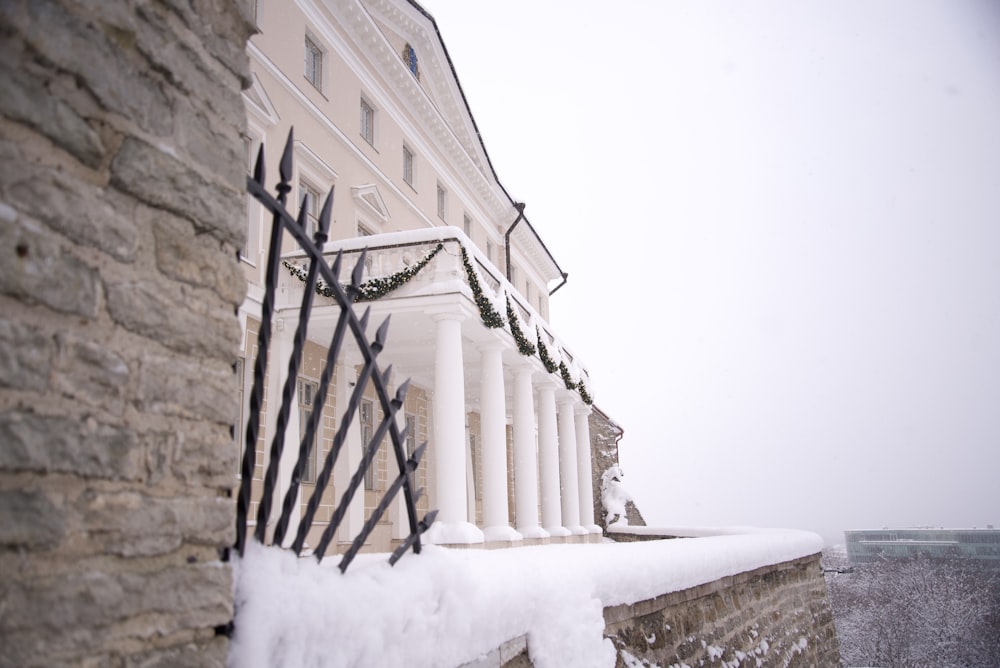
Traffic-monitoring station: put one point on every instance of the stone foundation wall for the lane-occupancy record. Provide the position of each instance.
(774, 616)
(121, 209)
(604, 435)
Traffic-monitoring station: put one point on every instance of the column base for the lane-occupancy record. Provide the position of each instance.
(501, 534)
(533, 532)
(593, 528)
(558, 532)
(453, 533)
(578, 531)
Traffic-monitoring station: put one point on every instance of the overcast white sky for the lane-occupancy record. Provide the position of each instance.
(781, 222)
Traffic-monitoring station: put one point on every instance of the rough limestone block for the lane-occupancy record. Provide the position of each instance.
(25, 356)
(130, 524)
(185, 255)
(153, 175)
(30, 519)
(40, 269)
(187, 387)
(80, 211)
(90, 372)
(179, 318)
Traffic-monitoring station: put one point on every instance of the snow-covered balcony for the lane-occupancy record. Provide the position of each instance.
(463, 332)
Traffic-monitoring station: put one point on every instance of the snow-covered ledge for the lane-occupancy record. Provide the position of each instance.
(449, 607)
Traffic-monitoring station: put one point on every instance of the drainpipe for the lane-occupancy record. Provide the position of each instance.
(506, 237)
(506, 245)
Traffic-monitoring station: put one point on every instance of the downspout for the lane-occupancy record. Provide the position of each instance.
(506, 246)
(506, 237)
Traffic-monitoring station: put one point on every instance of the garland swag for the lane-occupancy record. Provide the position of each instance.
(489, 315)
(374, 288)
(543, 354)
(524, 346)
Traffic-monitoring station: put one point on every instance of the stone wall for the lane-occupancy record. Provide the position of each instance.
(604, 436)
(121, 209)
(774, 616)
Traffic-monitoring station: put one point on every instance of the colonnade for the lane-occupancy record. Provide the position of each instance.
(552, 472)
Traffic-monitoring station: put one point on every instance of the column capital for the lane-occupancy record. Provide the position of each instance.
(583, 409)
(438, 314)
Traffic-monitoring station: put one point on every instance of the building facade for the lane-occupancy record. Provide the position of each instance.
(380, 119)
(980, 546)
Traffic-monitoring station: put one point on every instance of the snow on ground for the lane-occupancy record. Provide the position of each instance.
(445, 607)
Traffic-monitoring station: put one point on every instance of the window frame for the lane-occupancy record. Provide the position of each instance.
(442, 202)
(310, 473)
(409, 166)
(314, 68)
(367, 121)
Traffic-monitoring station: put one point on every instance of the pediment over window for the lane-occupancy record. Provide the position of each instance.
(371, 201)
(259, 104)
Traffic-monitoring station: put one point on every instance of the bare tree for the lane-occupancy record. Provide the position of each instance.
(917, 613)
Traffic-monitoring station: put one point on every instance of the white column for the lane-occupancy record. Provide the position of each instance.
(493, 423)
(525, 456)
(349, 458)
(452, 525)
(567, 467)
(585, 467)
(548, 460)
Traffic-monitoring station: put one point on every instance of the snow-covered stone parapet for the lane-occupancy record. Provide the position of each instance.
(449, 607)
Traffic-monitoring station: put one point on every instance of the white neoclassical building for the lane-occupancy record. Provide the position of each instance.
(380, 117)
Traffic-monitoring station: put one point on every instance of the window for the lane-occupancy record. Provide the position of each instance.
(489, 251)
(407, 165)
(307, 393)
(314, 64)
(309, 198)
(467, 225)
(442, 201)
(367, 416)
(411, 434)
(368, 122)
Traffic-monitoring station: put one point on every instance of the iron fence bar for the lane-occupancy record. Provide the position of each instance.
(413, 539)
(390, 494)
(345, 296)
(331, 457)
(300, 334)
(287, 392)
(264, 332)
(368, 455)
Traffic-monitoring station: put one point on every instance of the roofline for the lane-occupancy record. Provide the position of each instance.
(479, 136)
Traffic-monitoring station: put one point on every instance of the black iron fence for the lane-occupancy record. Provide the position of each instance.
(348, 325)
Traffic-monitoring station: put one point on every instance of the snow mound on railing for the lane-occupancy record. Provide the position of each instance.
(448, 607)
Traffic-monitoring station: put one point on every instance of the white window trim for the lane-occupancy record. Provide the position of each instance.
(312, 39)
(366, 103)
(412, 182)
(311, 169)
(441, 202)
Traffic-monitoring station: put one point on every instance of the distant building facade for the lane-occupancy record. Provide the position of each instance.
(979, 545)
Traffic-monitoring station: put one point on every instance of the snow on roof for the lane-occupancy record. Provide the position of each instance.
(447, 607)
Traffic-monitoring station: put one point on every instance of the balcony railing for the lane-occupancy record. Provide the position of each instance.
(389, 272)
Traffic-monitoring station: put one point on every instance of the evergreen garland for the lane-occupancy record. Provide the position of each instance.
(373, 288)
(584, 394)
(567, 379)
(524, 346)
(489, 315)
(543, 354)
